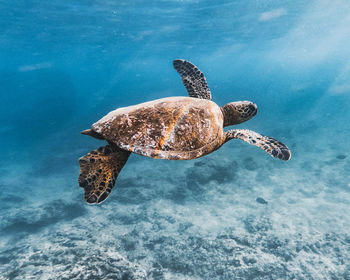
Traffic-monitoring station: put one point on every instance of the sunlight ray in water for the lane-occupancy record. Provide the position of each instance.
(236, 213)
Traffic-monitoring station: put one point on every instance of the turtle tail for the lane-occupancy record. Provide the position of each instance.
(99, 170)
(92, 133)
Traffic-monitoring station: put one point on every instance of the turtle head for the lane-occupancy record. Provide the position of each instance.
(238, 112)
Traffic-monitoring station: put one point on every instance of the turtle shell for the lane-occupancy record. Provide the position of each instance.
(170, 128)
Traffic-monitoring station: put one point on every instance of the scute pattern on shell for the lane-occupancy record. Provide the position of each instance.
(171, 128)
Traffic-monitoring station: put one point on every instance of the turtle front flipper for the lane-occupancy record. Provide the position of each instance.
(99, 170)
(268, 144)
(193, 79)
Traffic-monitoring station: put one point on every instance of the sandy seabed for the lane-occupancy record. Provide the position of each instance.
(235, 214)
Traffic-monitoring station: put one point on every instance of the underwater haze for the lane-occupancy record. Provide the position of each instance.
(236, 213)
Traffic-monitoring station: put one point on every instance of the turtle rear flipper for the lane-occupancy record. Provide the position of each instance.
(268, 144)
(99, 170)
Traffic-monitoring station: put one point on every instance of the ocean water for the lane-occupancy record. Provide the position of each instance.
(234, 214)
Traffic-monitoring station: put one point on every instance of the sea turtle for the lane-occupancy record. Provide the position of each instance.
(174, 128)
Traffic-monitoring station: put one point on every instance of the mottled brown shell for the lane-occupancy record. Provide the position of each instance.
(170, 128)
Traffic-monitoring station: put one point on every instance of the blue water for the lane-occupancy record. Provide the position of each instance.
(234, 214)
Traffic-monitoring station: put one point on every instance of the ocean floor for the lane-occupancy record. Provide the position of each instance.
(234, 214)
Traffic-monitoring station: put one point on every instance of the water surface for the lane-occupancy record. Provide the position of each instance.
(64, 65)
